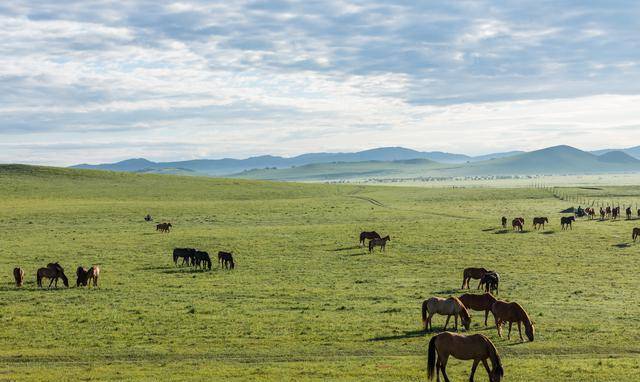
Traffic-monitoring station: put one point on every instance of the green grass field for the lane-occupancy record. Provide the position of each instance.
(305, 302)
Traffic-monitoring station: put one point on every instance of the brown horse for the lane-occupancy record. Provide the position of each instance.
(81, 274)
(472, 273)
(368, 236)
(446, 307)
(18, 275)
(504, 222)
(512, 312)
(566, 222)
(479, 302)
(603, 213)
(92, 275)
(163, 227)
(539, 222)
(517, 224)
(475, 347)
(53, 271)
(615, 212)
(635, 234)
(382, 243)
(628, 211)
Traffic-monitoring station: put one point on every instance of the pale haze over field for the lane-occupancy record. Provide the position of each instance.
(103, 81)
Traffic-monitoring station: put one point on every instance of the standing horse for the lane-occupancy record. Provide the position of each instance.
(635, 234)
(368, 236)
(512, 312)
(603, 213)
(185, 253)
(53, 271)
(81, 274)
(446, 307)
(92, 275)
(539, 222)
(476, 347)
(382, 243)
(226, 260)
(517, 224)
(491, 282)
(164, 227)
(628, 211)
(479, 302)
(566, 222)
(615, 212)
(18, 275)
(472, 273)
(504, 222)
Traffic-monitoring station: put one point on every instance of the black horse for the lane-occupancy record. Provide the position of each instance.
(566, 222)
(226, 260)
(368, 236)
(491, 282)
(202, 259)
(187, 255)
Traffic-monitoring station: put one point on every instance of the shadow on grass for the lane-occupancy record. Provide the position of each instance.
(488, 229)
(622, 245)
(359, 254)
(448, 291)
(548, 232)
(501, 232)
(405, 335)
(186, 270)
(347, 248)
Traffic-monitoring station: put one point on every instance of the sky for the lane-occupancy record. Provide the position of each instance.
(101, 81)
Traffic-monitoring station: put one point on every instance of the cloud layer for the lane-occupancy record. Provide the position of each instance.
(98, 81)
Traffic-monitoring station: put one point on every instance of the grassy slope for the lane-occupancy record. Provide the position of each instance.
(304, 302)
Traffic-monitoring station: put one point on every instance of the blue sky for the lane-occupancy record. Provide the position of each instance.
(103, 81)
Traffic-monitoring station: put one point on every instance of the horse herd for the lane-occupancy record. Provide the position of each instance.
(201, 259)
(517, 224)
(54, 271)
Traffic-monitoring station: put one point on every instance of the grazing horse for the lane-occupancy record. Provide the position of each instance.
(479, 302)
(635, 234)
(225, 259)
(566, 222)
(164, 227)
(504, 222)
(368, 236)
(491, 282)
(538, 222)
(18, 275)
(475, 347)
(517, 224)
(202, 259)
(92, 275)
(446, 307)
(628, 211)
(512, 312)
(472, 273)
(81, 274)
(603, 213)
(615, 213)
(187, 255)
(382, 243)
(53, 271)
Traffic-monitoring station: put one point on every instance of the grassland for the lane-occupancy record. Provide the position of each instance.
(305, 303)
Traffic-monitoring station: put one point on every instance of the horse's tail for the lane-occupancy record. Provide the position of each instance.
(495, 358)
(431, 357)
(39, 279)
(424, 313)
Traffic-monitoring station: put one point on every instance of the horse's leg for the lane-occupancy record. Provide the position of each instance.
(509, 334)
(486, 367)
(446, 323)
(429, 323)
(473, 369)
(50, 283)
(498, 327)
(520, 331)
(444, 368)
(455, 317)
(486, 316)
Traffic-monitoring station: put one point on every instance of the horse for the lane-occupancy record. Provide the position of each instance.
(202, 257)
(446, 307)
(93, 274)
(18, 275)
(537, 222)
(566, 221)
(491, 282)
(608, 210)
(603, 213)
(504, 222)
(628, 211)
(479, 302)
(512, 312)
(186, 254)
(81, 274)
(53, 271)
(368, 236)
(616, 213)
(382, 243)
(164, 227)
(517, 224)
(225, 259)
(472, 273)
(591, 212)
(635, 234)
(148, 218)
(476, 347)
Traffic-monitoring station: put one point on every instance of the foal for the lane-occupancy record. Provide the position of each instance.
(382, 243)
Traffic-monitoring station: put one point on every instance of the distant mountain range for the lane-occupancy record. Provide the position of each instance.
(394, 162)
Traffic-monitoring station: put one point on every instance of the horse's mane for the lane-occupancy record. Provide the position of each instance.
(495, 357)
(463, 311)
(523, 313)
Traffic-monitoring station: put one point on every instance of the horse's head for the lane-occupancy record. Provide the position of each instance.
(496, 374)
(387, 238)
(530, 331)
(65, 281)
(546, 220)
